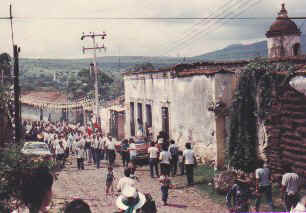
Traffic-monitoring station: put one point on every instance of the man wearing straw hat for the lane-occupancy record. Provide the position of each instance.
(130, 200)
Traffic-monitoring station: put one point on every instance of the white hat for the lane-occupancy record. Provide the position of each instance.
(130, 194)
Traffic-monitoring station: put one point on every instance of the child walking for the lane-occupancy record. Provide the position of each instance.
(181, 163)
(165, 185)
(109, 180)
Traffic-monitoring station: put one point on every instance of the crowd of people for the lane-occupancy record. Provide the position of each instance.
(239, 196)
(92, 145)
(165, 160)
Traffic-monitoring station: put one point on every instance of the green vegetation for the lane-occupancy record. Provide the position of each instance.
(14, 168)
(6, 97)
(204, 175)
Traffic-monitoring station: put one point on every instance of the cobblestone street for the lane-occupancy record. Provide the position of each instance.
(89, 184)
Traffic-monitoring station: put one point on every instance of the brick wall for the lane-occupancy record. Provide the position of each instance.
(286, 131)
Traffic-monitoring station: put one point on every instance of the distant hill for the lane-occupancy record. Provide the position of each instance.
(241, 51)
(107, 63)
(36, 73)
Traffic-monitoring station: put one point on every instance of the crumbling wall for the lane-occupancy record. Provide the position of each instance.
(285, 128)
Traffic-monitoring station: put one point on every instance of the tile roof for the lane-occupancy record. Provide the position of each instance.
(211, 67)
(186, 73)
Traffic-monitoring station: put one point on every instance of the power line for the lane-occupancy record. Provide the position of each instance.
(137, 18)
(228, 12)
(242, 8)
(228, 6)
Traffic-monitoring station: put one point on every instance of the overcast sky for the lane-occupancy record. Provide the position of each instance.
(44, 38)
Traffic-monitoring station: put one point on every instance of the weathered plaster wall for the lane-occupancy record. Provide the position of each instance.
(224, 88)
(188, 100)
(190, 119)
(287, 42)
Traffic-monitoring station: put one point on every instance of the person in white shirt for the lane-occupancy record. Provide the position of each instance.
(133, 152)
(70, 141)
(98, 150)
(165, 157)
(110, 145)
(263, 184)
(125, 181)
(290, 187)
(153, 159)
(80, 156)
(189, 162)
(103, 147)
(60, 153)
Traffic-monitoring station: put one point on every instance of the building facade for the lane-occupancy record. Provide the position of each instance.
(182, 101)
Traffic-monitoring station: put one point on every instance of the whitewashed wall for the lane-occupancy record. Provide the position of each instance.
(188, 100)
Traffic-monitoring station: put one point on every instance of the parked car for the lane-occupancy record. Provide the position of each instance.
(142, 146)
(36, 150)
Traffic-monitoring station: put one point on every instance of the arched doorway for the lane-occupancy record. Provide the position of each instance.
(296, 49)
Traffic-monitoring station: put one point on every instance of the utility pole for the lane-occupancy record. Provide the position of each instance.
(17, 105)
(95, 48)
(17, 95)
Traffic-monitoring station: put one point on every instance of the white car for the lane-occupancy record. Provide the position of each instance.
(37, 150)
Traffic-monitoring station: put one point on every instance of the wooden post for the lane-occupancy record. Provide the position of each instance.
(17, 95)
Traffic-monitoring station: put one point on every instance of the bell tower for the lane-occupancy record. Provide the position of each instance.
(284, 37)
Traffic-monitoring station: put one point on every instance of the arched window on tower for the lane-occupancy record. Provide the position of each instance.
(296, 49)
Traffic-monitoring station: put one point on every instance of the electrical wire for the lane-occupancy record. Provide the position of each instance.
(137, 18)
(191, 29)
(225, 12)
(228, 6)
(196, 37)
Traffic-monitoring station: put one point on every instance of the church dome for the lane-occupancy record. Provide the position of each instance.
(283, 25)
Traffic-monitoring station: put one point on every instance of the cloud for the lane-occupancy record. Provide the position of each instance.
(46, 38)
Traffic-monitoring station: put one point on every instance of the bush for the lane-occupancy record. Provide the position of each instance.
(223, 181)
(14, 167)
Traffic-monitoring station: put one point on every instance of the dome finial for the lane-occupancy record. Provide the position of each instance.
(283, 12)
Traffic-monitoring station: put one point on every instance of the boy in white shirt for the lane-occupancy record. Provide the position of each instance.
(153, 159)
(190, 162)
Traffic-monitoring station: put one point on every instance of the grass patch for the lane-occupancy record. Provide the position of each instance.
(203, 176)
